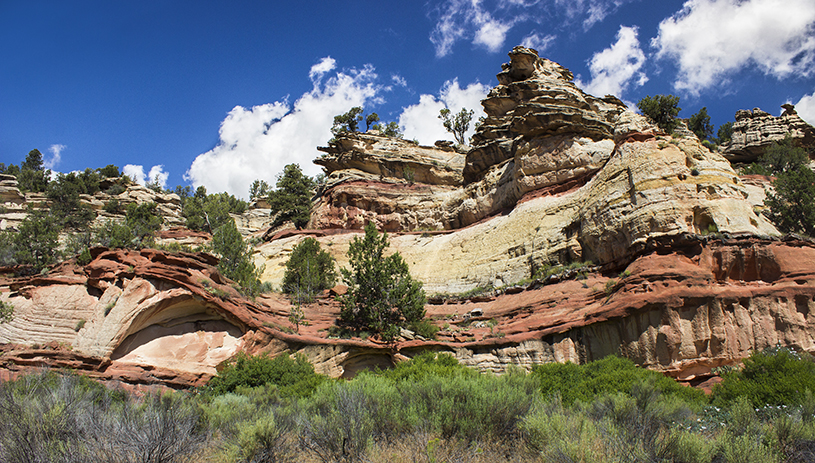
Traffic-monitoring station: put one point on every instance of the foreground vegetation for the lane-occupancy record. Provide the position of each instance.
(430, 409)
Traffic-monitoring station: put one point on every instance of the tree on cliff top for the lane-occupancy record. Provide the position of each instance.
(700, 124)
(457, 124)
(381, 293)
(662, 109)
(348, 122)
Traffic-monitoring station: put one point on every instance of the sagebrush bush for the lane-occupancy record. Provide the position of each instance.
(610, 374)
(773, 376)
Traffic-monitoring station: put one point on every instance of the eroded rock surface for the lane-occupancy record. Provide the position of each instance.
(755, 130)
(684, 275)
(131, 310)
(554, 175)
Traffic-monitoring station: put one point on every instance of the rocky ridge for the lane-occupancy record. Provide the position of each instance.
(684, 275)
(755, 130)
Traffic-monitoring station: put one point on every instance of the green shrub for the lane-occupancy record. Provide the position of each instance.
(424, 328)
(608, 375)
(470, 407)
(293, 377)
(36, 240)
(561, 434)
(6, 312)
(774, 376)
(791, 206)
(112, 206)
(427, 364)
(64, 192)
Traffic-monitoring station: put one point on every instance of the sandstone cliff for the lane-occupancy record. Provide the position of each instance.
(685, 304)
(561, 175)
(684, 275)
(756, 130)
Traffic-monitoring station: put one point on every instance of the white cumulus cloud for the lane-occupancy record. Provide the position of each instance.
(806, 108)
(156, 174)
(326, 64)
(711, 39)
(56, 156)
(616, 67)
(492, 34)
(468, 18)
(256, 143)
(421, 121)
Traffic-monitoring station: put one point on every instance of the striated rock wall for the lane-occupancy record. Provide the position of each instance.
(754, 131)
(682, 306)
(554, 175)
(132, 312)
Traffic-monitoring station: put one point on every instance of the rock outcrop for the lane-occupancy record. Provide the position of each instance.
(15, 203)
(754, 131)
(684, 275)
(128, 315)
(684, 305)
(561, 175)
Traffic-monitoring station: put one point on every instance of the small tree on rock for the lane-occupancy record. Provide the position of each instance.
(236, 258)
(700, 125)
(36, 241)
(292, 198)
(662, 109)
(348, 122)
(725, 133)
(391, 129)
(381, 293)
(370, 119)
(781, 156)
(457, 124)
(309, 270)
(32, 175)
(792, 204)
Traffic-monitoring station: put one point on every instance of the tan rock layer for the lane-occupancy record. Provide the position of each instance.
(755, 130)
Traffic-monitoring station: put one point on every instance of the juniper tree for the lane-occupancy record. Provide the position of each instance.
(662, 109)
(381, 293)
(309, 270)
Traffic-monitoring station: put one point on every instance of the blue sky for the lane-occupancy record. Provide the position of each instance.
(222, 93)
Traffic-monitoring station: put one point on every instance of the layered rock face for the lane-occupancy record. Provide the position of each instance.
(684, 275)
(687, 304)
(137, 316)
(754, 131)
(15, 203)
(562, 176)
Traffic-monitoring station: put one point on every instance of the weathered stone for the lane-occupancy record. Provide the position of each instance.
(754, 131)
